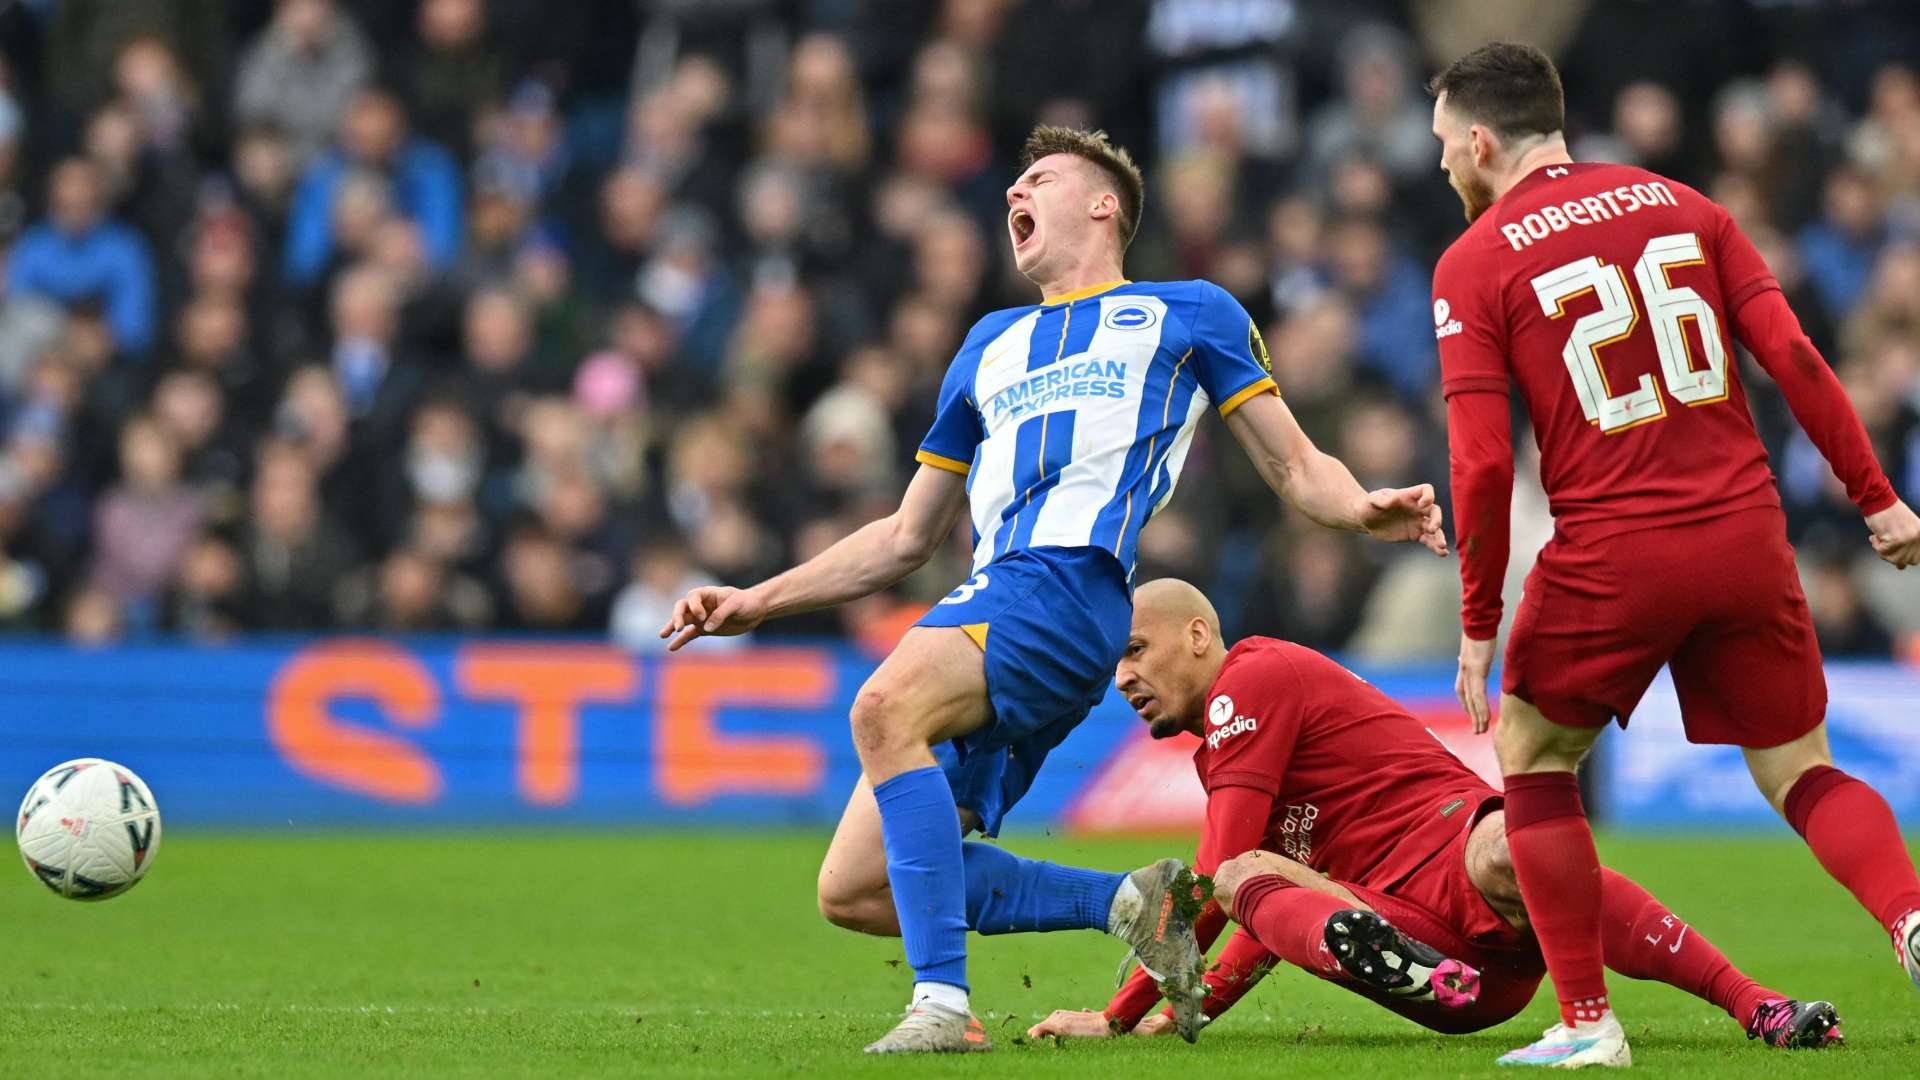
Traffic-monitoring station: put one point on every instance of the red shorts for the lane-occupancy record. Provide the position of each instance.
(1438, 904)
(1719, 601)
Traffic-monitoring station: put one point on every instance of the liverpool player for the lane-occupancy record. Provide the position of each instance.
(1611, 297)
(1311, 771)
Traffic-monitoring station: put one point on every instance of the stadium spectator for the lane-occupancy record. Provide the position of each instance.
(143, 525)
(662, 573)
(208, 599)
(86, 36)
(78, 255)
(29, 326)
(540, 592)
(93, 617)
(294, 550)
(1839, 249)
(1241, 49)
(1389, 295)
(192, 409)
(1648, 130)
(1378, 115)
(374, 143)
(302, 72)
(453, 70)
(1845, 625)
(354, 410)
(410, 592)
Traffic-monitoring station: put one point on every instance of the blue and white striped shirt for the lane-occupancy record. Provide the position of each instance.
(1071, 419)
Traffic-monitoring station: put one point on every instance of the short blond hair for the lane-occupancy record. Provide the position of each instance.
(1093, 147)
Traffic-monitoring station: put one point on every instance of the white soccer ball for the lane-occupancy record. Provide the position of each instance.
(88, 829)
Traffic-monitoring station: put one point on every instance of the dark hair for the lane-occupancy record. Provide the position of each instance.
(1509, 87)
(1092, 146)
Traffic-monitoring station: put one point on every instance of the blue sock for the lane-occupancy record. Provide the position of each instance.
(1007, 894)
(921, 829)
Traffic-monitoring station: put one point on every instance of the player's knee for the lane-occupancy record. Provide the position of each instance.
(875, 719)
(1777, 769)
(1491, 869)
(1526, 741)
(1234, 873)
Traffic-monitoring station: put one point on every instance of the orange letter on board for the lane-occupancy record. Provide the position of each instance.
(314, 743)
(549, 683)
(696, 762)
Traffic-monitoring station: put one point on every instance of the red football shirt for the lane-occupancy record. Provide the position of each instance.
(1611, 297)
(1301, 756)
(1356, 785)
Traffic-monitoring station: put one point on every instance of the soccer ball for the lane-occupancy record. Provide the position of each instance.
(88, 829)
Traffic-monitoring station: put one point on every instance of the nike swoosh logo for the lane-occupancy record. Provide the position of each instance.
(1675, 947)
(994, 359)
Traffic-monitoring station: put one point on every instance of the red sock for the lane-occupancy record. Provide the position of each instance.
(1643, 940)
(1291, 922)
(1852, 832)
(1559, 874)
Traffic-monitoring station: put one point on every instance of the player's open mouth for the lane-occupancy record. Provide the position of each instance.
(1140, 702)
(1022, 225)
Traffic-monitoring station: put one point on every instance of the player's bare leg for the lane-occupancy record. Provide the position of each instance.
(1235, 871)
(1559, 875)
(853, 890)
(1852, 832)
(1319, 925)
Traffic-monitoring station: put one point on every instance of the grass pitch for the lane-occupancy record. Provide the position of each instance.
(606, 954)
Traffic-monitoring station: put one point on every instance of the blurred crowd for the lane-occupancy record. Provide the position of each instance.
(461, 315)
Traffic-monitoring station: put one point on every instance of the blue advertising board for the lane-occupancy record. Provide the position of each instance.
(314, 733)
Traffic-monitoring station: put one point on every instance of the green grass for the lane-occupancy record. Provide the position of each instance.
(623, 955)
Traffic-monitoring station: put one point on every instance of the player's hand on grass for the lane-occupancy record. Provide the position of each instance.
(713, 611)
(1470, 686)
(1160, 1023)
(1401, 514)
(1895, 535)
(1074, 1024)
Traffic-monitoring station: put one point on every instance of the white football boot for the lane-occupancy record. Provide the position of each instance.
(1601, 1042)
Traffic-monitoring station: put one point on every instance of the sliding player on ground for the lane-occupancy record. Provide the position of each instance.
(1349, 842)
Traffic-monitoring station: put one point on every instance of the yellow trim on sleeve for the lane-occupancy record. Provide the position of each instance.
(1248, 393)
(978, 632)
(1082, 294)
(928, 457)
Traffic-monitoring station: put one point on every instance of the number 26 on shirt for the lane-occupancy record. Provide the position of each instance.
(1668, 307)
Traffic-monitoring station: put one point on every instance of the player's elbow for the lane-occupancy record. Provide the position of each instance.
(912, 543)
(1491, 473)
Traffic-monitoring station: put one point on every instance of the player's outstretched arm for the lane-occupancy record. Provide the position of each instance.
(873, 557)
(1320, 486)
(1767, 326)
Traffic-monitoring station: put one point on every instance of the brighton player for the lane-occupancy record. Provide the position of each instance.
(1345, 839)
(1063, 427)
(1612, 297)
